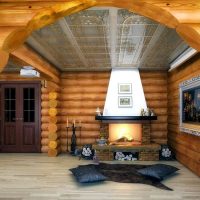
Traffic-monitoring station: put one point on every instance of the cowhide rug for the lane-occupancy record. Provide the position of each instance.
(127, 173)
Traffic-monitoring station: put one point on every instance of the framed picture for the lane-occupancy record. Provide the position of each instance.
(124, 88)
(190, 106)
(125, 102)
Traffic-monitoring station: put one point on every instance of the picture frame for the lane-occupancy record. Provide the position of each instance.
(125, 101)
(125, 88)
(190, 106)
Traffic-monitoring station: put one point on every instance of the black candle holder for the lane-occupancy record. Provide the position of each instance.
(73, 138)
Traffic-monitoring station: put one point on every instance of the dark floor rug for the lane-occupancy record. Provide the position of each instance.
(125, 173)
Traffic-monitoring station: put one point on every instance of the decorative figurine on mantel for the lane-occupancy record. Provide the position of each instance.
(98, 111)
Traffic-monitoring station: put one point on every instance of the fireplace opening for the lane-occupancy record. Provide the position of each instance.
(125, 134)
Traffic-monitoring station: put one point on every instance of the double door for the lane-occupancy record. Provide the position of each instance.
(20, 117)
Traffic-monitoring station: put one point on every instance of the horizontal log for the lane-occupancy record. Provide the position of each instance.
(159, 127)
(195, 156)
(186, 161)
(154, 89)
(45, 104)
(53, 112)
(63, 134)
(159, 134)
(53, 136)
(54, 103)
(44, 141)
(82, 104)
(53, 144)
(45, 134)
(44, 119)
(78, 112)
(83, 141)
(156, 82)
(84, 89)
(83, 126)
(44, 126)
(54, 152)
(83, 119)
(64, 148)
(52, 128)
(83, 97)
(189, 141)
(155, 96)
(44, 111)
(53, 95)
(187, 72)
(160, 111)
(84, 82)
(44, 149)
(153, 75)
(157, 104)
(45, 97)
(52, 87)
(173, 127)
(159, 141)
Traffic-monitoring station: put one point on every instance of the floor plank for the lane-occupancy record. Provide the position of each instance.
(38, 177)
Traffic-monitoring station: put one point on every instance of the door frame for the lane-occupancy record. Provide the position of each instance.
(38, 111)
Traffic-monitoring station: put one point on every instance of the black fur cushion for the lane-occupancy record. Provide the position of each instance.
(158, 171)
(87, 174)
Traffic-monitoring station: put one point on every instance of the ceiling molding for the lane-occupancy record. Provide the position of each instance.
(63, 23)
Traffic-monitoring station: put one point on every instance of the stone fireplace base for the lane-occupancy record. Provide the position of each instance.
(147, 152)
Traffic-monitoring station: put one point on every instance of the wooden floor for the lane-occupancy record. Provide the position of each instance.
(36, 176)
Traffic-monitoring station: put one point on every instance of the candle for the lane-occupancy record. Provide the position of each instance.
(74, 122)
(80, 123)
(67, 122)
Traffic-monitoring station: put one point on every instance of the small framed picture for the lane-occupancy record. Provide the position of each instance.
(125, 102)
(124, 88)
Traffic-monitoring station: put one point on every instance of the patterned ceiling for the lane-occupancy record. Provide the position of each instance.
(105, 38)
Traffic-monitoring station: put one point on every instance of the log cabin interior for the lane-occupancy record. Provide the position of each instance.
(120, 75)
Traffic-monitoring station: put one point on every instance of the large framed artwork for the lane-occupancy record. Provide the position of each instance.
(190, 106)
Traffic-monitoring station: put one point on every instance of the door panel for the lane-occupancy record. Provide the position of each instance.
(29, 135)
(10, 137)
(10, 140)
(20, 113)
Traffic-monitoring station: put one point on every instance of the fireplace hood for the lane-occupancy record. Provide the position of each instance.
(130, 100)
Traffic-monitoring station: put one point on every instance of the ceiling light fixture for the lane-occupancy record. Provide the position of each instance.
(29, 72)
(183, 57)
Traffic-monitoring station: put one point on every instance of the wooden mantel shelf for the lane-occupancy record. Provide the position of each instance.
(125, 119)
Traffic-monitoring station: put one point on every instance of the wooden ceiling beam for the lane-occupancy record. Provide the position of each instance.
(28, 56)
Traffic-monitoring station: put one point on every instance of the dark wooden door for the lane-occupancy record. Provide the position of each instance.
(20, 117)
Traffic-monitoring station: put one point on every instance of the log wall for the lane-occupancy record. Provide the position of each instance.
(186, 146)
(155, 90)
(81, 94)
